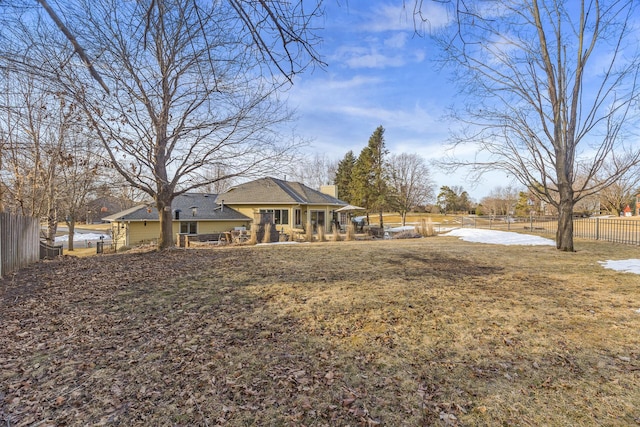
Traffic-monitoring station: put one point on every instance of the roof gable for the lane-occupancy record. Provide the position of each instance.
(192, 206)
(275, 191)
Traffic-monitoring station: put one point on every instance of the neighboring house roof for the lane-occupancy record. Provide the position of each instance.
(270, 191)
(205, 205)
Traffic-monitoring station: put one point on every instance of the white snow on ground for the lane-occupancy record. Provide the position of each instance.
(277, 243)
(625, 265)
(401, 229)
(496, 237)
(81, 237)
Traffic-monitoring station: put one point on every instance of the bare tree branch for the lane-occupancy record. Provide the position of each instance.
(76, 46)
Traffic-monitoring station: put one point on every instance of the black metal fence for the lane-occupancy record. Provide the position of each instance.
(615, 230)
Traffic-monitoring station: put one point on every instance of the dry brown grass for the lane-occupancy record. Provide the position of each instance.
(267, 233)
(253, 236)
(397, 332)
(426, 227)
(321, 235)
(414, 218)
(336, 234)
(351, 232)
(309, 233)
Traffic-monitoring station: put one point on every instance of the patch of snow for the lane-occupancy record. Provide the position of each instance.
(81, 237)
(401, 229)
(625, 265)
(495, 237)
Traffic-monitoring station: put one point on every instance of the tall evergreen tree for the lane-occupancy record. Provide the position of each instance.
(370, 189)
(453, 199)
(344, 177)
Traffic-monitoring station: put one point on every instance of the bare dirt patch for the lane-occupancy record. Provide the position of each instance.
(409, 332)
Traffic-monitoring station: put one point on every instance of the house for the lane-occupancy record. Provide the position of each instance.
(290, 206)
(192, 214)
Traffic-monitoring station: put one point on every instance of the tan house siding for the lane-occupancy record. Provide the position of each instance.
(306, 214)
(135, 233)
(138, 232)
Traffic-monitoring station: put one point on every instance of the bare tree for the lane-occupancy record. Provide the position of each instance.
(79, 178)
(621, 193)
(500, 200)
(282, 32)
(187, 91)
(51, 165)
(34, 126)
(313, 171)
(410, 182)
(551, 87)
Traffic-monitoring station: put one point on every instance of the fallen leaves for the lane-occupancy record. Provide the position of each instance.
(239, 336)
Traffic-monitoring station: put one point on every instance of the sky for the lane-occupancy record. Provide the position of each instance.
(380, 73)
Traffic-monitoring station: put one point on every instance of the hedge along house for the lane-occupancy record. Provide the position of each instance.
(192, 214)
(292, 205)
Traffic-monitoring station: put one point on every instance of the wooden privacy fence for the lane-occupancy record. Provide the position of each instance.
(19, 242)
(625, 231)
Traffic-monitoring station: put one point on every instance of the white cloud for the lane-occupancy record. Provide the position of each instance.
(396, 41)
(403, 17)
(377, 55)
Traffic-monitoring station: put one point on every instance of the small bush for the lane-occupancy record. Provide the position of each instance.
(321, 236)
(407, 235)
(351, 232)
(336, 234)
(253, 237)
(267, 233)
(426, 228)
(309, 233)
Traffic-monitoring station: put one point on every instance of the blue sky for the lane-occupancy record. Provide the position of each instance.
(379, 73)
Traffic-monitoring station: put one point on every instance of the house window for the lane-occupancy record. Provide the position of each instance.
(188, 227)
(297, 217)
(280, 216)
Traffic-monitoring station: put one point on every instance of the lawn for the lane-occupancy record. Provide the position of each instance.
(431, 331)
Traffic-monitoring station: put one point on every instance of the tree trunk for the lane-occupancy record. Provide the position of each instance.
(564, 235)
(165, 240)
(404, 218)
(71, 225)
(381, 223)
(52, 225)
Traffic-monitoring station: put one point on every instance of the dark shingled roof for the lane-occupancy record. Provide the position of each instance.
(270, 191)
(207, 210)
